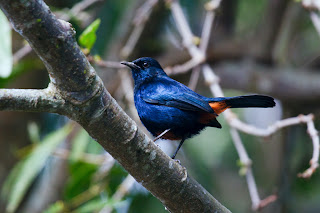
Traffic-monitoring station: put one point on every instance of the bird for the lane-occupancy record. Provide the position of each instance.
(170, 110)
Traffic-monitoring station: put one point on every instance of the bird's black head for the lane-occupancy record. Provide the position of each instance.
(144, 69)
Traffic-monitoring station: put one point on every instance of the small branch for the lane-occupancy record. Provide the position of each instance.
(315, 20)
(85, 157)
(141, 18)
(21, 53)
(206, 30)
(253, 130)
(143, 13)
(198, 55)
(194, 77)
(243, 155)
(182, 68)
(263, 203)
(106, 166)
(78, 8)
(308, 119)
(253, 191)
(185, 32)
(105, 64)
(311, 4)
(132, 41)
(31, 100)
(314, 162)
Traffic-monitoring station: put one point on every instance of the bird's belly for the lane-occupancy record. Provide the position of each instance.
(158, 118)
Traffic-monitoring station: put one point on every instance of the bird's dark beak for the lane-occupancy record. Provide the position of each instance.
(131, 65)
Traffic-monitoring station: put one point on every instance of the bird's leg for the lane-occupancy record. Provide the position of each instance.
(162, 134)
(180, 144)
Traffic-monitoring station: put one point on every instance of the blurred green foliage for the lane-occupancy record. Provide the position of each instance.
(25, 172)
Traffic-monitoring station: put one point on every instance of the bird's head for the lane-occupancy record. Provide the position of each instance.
(144, 69)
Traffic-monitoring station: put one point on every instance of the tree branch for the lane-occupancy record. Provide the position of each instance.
(94, 108)
(30, 100)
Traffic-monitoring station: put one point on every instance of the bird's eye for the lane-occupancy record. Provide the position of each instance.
(145, 65)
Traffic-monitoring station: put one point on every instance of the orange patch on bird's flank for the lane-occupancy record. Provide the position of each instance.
(219, 107)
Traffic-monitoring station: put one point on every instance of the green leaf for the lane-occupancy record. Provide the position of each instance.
(96, 205)
(9, 182)
(5, 47)
(57, 207)
(79, 145)
(88, 37)
(26, 171)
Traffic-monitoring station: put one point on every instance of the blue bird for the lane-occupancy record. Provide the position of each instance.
(170, 110)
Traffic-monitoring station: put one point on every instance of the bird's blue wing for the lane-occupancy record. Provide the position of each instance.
(174, 94)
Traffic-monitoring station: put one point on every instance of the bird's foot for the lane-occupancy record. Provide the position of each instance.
(177, 161)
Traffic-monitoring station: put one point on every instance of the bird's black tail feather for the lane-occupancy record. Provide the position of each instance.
(250, 101)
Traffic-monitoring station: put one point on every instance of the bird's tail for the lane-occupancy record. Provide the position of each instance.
(221, 104)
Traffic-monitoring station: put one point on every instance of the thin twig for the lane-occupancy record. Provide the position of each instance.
(105, 167)
(182, 68)
(207, 26)
(253, 191)
(185, 31)
(253, 130)
(142, 16)
(194, 78)
(78, 8)
(105, 64)
(21, 53)
(143, 13)
(315, 20)
(315, 155)
(311, 4)
(85, 157)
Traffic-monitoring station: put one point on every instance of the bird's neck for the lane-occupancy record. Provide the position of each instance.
(138, 83)
(145, 79)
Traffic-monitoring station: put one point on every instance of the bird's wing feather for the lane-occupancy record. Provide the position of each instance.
(171, 94)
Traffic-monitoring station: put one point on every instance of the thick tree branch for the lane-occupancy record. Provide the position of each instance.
(30, 100)
(94, 108)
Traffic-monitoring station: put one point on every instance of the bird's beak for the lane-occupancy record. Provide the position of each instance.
(131, 65)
